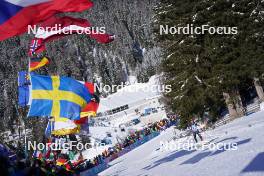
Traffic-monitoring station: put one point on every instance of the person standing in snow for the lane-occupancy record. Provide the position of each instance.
(195, 131)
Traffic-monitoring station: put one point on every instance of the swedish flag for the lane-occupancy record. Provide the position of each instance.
(57, 97)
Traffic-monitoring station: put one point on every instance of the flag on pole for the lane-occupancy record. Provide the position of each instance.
(64, 26)
(37, 154)
(49, 128)
(23, 88)
(36, 46)
(24, 96)
(38, 62)
(64, 126)
(54, 96)
(17, 15)
(23, 78)
(90, 109)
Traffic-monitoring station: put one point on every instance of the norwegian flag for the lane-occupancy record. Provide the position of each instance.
(36, 46)
(37, 154)
(67, 26)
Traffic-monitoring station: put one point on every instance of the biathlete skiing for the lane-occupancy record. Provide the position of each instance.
(195, 131)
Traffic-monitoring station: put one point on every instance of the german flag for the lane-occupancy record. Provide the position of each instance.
(90, 109)
(61, 161)
(92, 106)
(36, 63)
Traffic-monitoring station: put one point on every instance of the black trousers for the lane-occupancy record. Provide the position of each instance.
(195, 134)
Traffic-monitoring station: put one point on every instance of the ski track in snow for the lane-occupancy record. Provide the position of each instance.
(247, 160)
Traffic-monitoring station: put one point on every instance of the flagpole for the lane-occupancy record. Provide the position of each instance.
(20, 120)
(25, 130)
(28, 64)
(50, 127)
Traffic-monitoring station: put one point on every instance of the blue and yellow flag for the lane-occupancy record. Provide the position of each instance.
(56, 96)
(64, 126)
(23, 88)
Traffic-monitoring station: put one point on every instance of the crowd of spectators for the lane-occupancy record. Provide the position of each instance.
(129, 140)
(58, 163)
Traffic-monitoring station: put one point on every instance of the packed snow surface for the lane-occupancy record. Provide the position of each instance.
(247, 133)
(130, 94)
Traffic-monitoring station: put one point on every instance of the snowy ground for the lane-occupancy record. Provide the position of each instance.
(99, 133)
(248, 160)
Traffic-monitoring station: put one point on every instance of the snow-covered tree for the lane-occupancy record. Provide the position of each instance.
(206, 69)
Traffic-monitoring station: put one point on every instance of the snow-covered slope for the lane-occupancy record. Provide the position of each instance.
(135, 92)
(247, 133)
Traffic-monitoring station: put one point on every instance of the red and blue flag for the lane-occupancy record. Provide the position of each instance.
(16, 15)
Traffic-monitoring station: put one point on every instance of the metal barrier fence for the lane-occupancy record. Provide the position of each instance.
(252, 108)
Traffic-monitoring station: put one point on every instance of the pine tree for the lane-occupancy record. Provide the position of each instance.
(204, 69)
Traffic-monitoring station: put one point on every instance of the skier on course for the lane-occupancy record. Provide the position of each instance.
(195, 131)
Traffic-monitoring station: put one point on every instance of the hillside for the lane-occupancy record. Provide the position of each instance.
(247, 160)
(82, 58)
